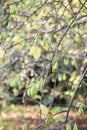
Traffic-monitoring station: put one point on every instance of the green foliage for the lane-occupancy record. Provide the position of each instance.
(47, 98)
(24, 127)
(68, 127)
(62, 77)
(13, 9)
(15, 81)
(43, 38)
(37, 39)
(75, 127)
(68, 93)
(80, 110)
(49, 119)
(47, 39)
(3, 36)
(35, 88)
(55, 67)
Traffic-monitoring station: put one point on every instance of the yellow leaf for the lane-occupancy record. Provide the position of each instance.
(27, 27)
(76, 80)
(43, 12)
(18, 47)
(44, 110)
(35, 51)
(17, 39)
(45, 46)
(1, 54)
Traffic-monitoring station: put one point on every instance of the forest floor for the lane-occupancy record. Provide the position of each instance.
(14, 117)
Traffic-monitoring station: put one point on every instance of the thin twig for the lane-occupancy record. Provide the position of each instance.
(76, 89)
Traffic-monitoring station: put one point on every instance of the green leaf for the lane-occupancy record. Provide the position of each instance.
(64, 77)
(41, 83)
(60, 78)
(49, 119)
(33, 90)
(77, 39)
(24, 127)
(68, 127)
(80, 110)
(75, 127)
(37, 39)
(15, 92)
(13, 9)
(55, 67)
(3, 35)
(15, 81)
(28, 92)
(68, 93)
(9, 26)
(47, 39)
(47, 98)
(66, 61)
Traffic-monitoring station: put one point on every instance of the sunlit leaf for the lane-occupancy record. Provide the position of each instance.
(32, 91)
(45, 46)
(76, 80)
(15, 92)
(68, 93)
(24, 127)
(66, 61)
(75, 127)
(44, 109)
(41, 83)
(13, 9)
(60, 78)
(35, 88)
(64, 77)
(73, 76)
(3, 35)
(14, 82)
(80, 110)
(27, 27)
(35, 51)
(55, 67)
(37, 39)
(68, 127)
(49, 119)
(16, 39)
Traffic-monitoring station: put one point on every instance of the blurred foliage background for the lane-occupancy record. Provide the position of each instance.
(43, 52)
